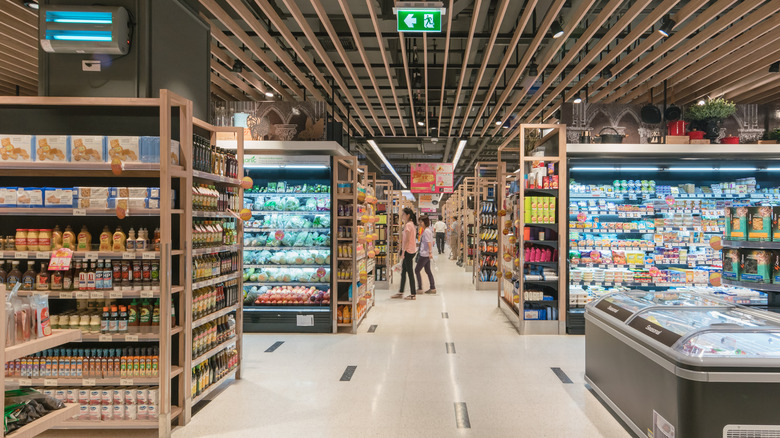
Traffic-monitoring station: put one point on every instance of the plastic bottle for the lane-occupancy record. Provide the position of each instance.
(56, 238)
(42, 279)
(14, 275)
(156, 317)
(145, 316)
(122, 322)
(28, 279)
(69, 238)
(131, 240)
(84, 239)
(132, 317)
(119, 240)
(3, 273)
(105, 239)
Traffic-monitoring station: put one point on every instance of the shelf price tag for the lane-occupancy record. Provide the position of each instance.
(128, 255)
(126, 382)
(88, 382)
(97, 295)
(147, 294)
(131, 338)
(24, 382)
(66, 295)
(20, 255)
(105, 338)
(115, 294)
(91, 255)
(149, 255)
(49, 382)
(79, 212)
(42, 255)
(82, 295)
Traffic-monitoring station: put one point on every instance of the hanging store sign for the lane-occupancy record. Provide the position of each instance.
(427, 203)
(432, 178)
(419, 20)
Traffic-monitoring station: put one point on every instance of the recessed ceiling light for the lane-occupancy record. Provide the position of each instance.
(556, 29)
(498, 122)
(32, 5)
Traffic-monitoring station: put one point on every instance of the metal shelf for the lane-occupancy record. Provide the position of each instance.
(764, 287)
(750, 244)
(58, 337)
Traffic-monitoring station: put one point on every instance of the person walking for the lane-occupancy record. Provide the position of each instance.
(408, 250)
(441, 232)
(424, 259)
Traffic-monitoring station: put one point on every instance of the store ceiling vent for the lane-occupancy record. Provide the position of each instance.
(344, 33)
(84, 29)
(751, 431)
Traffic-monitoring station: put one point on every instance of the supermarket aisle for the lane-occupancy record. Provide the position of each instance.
(406, 383)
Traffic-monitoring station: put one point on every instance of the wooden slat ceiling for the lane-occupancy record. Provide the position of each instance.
(475, 73)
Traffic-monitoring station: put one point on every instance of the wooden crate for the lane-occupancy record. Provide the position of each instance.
(678, 139)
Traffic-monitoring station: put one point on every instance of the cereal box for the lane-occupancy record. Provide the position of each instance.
(16, 148)
(52, 148)
(776, 224)
(737, 217)
(89, 148)
(7, 196)
(731, 264)
(760, 223)
(57, 198)
(755, 266)
(29, 197)
(123, 148)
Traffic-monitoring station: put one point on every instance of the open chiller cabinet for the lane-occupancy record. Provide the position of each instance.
(486, 265)
(537, 197)
(112, 157)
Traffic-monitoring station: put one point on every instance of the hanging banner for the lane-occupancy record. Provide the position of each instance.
(432, 178)
(428, 203)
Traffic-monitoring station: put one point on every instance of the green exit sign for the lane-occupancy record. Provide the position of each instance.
(419, 20)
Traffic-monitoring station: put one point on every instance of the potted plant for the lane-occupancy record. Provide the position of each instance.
(772, 137)
(707, 117)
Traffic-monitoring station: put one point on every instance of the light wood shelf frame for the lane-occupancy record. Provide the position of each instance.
(345, 170)
(384, 193)
(482, 185)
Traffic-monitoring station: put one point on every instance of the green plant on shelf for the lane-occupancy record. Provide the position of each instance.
(773, 135)
(712, 109)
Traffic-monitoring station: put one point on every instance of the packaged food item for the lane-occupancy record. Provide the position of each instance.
(8, 196)
(52, 148)
(123, 148)
(90, 148)
(31, 197)
(17, 148)
(41, 306)
(58, 198)
(736, 218)
(760, 223)
(755, 266)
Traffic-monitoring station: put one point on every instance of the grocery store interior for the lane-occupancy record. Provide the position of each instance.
(384, 218)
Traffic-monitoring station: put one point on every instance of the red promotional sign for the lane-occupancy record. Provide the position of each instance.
(432, 178)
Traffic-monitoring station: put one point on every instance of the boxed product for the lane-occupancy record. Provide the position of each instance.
(101, 203)
(31, 197)
(57, 198)
(52, 148)
(90, 148)
(91, 192)
(134, 203)
(776, 224)
(755, 266)
(776, 267)
(7, 196)
(736, 218)
(149, 148)
(134, 192)
(124, 148)
(534, 314)
(17, 148)
(760, 223)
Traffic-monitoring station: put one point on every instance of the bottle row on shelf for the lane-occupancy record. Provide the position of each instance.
(110, 403)
(214, 265)
(210, 299)
(211, 371)
(213, 233)
(46, 239)
(213, 333)
(100, 275)
(87, 363)
(211, 159)
(212, 198)
(125, 317)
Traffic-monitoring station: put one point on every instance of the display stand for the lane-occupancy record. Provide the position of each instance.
(384, 211)
(538, 199)
(468, 223)
(369, 234)
(168, 117)
(485, 272)
(225, 280)
(394, 231)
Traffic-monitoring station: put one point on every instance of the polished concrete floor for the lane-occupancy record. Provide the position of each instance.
(492, 383)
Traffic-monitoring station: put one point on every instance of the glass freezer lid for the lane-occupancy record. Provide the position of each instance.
(622, 305)
(683, 321)
(727, 344)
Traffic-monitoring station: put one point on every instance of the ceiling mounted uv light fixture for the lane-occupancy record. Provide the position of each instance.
(32, 5)
(775, 67)
(667, 24)
(84, 29)
(556, 29)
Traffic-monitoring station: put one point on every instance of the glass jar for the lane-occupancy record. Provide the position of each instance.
(44, 240)
(32, 239)
(73, 322)
(21, 239)
(84, 324)
(94, 324)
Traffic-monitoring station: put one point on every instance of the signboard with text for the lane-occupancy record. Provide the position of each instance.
(432, 178)
(419, 20)
(427, 204)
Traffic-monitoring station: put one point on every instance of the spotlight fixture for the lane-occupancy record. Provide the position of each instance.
(32, 5)
(556, 29)
(269, 94)
(775, 67)
(238, 67)
(533, 69)
(701, 102)
(667, 24)
(461, 145)
(420, 123)
(498, 122)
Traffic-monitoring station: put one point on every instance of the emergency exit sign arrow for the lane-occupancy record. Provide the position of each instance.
(419, 20)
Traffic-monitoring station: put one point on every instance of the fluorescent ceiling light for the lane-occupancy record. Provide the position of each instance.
(384, 160)
(78, 17)
(615, 168)
(712, 169)
(461, 145)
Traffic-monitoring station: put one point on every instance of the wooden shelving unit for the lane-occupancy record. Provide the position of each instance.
(487, 234)
(393, 232)
(383, 273)
(515, 198)
(467, 222)
(168, 117)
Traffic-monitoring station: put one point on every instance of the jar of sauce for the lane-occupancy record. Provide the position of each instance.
(32, 239)
(44, 240)
(21, 239)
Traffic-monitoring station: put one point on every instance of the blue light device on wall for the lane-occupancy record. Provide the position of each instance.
(85, 29)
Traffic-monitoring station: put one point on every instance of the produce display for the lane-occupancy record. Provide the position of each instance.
(287, 296)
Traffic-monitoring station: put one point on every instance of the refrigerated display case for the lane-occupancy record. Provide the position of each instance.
(287, 244)
(676, 364)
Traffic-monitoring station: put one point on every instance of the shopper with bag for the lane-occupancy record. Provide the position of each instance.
(424, 259)
(441, 231)
(408, 250)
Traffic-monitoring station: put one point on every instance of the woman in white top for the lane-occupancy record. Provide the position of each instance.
(424, 260)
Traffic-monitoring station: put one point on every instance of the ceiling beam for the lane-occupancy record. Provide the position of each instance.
(500, 14)
(768, 84)
(335, 75)
(571, 23)
(522, 23)
(227, 21)
(235, 80)
(215, 90)
(541, 33)
(444, 68)
(695, 48)
(226, 87)
(380, 41)
(464, 68)
(408, 83)
(334, 36)
(358, 43)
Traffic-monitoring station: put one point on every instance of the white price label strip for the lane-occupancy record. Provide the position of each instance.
(105, 338)
(88, 382)
(82, 295)
(149, 255)
(126, 382)
(24, 382)
(49, 382)
(92, 255)
(147, 294)
(42, 255)
(115, 294)
(79, 212)
(128, 255)
(66, 295)
(95, 295)
(131, 338)
(20, 255)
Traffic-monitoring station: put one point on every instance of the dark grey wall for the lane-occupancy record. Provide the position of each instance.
(169, 49)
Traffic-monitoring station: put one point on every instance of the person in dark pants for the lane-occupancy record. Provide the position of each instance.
(426, 254)
(408, 250)
(441, 232)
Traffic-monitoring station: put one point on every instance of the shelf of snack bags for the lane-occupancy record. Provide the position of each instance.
(507, 197)
(486, 266)
(149, 157)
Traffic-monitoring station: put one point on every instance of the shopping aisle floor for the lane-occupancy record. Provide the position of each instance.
(406, 384)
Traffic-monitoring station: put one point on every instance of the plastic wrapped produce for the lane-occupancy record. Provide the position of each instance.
(291, 204)
(264, 256)
(301, 238)
(309, 258)
(289, 238)
(311, 205)
(319, 257)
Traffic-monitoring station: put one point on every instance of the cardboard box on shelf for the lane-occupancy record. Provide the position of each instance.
(17, 148)
(124, 148)
(678, 139)
(52, 148)
(89, 148)
(31, 197)
(8, 196)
